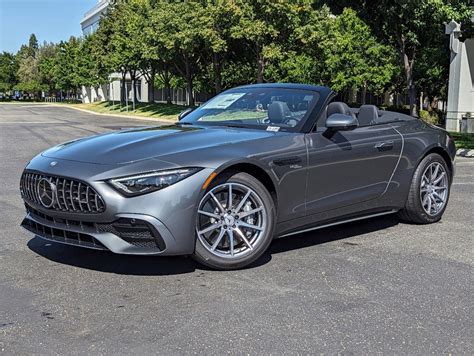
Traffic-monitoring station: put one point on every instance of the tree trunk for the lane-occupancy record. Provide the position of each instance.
(189, 92)
(353, 95)
(260, 64)
(386, 99)
(407, 63)
(363, 95)
(189, 84)
(151, 86)
(410, 85)
(412, 100)
(133, 77)
(217, 73)
(123, 89)
(408, 66)
(261, 69)
(167, 85)
(169, 100)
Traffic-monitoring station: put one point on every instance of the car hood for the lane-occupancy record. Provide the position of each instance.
(149, 143)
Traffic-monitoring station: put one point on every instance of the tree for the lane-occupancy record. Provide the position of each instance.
(179, 27)
(32, 86)
(28, 72)
(305, 61)
(407, 25)
(63, 69)
(263, 27)
(336, 51)
(88, 69)
(152, 58)
(112, 44)
(432, 72)
(354, 58)
(8, 71)
(46, 59)
(33, 44)
(218, 20)
(30, 49)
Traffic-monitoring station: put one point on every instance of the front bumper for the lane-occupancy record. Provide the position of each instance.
(158, 223)
(150, 236)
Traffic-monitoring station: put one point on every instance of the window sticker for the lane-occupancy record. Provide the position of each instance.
(273, 128)
(223, 101)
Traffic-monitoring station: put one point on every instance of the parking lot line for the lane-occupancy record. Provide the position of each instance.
(30, 122)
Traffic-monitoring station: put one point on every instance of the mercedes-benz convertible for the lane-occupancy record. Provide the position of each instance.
(253, 163)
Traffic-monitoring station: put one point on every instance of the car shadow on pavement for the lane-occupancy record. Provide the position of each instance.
(105, 261)
(334, 233)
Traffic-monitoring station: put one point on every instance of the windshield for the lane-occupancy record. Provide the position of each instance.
(272, 109)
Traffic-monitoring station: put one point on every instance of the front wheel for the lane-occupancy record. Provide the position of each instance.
(235, 222)
(429, 191)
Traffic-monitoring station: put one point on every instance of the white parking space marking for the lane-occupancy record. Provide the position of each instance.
(29, 122)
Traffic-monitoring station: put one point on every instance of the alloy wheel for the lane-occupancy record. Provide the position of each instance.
(231, 221)
(434, 188)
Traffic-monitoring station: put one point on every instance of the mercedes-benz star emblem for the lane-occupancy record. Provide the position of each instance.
(46, 192)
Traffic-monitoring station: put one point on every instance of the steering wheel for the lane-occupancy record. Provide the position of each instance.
(290, 121)
(287, 121)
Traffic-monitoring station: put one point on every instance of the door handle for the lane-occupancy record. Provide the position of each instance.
(384, 145)
(287, 161)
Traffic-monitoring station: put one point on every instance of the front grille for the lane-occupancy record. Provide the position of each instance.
(68, 195)
(60, 235)
(56, 220)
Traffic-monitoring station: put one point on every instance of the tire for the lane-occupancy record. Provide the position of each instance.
(235, 239)
(423, 206)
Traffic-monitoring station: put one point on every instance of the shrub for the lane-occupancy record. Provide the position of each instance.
(430, 117)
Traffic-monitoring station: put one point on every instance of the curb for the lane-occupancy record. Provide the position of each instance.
(143, 118)
(463, 152)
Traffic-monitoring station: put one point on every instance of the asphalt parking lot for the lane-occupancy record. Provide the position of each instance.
(364, 287)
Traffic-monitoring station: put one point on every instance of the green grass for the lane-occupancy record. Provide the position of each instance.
(463, 140)
(155, 111)
(236, 115)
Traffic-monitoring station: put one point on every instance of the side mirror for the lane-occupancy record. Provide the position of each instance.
(184, 113)
(341, 122)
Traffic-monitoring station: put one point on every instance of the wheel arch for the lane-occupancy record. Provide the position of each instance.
(257, 172)
(444, 154)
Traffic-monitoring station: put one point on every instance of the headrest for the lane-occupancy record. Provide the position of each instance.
(368, 115)
(278, 111)
(338, 107)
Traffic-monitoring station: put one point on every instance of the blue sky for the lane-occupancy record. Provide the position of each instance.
(49, 20)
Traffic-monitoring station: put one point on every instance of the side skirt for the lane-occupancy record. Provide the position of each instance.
(338, 223)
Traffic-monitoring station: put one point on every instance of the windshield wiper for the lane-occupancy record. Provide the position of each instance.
(184, 123)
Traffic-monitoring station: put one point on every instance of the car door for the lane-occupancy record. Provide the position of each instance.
(350, 167)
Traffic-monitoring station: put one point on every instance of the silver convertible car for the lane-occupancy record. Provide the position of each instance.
(253, 163)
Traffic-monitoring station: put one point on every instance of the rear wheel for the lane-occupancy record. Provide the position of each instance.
(429, 191)
(235, 222)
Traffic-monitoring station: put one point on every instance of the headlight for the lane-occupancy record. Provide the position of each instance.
(150, 182)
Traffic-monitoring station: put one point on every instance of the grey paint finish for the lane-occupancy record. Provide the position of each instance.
(318, 177)
(152, 142)
(353, 166)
